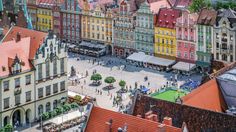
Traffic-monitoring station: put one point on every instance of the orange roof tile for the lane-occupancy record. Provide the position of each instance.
(36, 38)
(99, 118)
(208, 96)
(8, 51)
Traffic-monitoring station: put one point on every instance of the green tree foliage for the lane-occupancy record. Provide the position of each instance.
(197, 5)
(96, 77)
(110, 80)
(122, 83)
(226, 5)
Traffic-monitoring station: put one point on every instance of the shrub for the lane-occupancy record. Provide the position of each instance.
(45, 116)
(74, 105)
(8, 128)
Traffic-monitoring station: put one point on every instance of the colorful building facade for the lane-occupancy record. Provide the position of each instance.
(186, 37)
(144, 30)
(45, 15)
(96, 24)
(224, 45)
(71, 15)
(165, 33)
(204, 27)
(124, 31)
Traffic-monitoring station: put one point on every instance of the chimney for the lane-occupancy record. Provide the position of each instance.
(167, 121)
(18, 37)
(109, 125)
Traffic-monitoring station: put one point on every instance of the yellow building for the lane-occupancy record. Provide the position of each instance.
(165, 42)
(44, 16)
(165, 33)
(96, 24)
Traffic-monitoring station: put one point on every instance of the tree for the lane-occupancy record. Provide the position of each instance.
(197, 5)
(122, 84)
(96, 78)
(110, 80)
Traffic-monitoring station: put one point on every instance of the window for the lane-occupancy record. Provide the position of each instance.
(28, 96)
(17, 99)
(185, 45)
(40, 92)
(17, 82)
(217, 56)
(171, 41)
(167, 50)
(62, 65)
(192, 55)
(55, 88)
(179, 54)
(224, 57)
(97, 28)
(6, 103)
(217, 45)
(47, 69)
(48, 90)
(63, 86)
(48, 107)
(167, 41)
(55, 67)
(6, 85)
(54, 104)
(185, 54)
(231, 58)
(40, 110)
(27, 79)
(40, 76)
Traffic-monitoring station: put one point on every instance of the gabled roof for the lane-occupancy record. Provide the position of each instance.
(207, 17)
(36, 38)
(8, 52)
(167, 18)
(99, 118)
(208, 96)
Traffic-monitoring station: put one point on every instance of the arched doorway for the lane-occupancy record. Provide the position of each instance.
(16, 118)
(28, 116)
(6, 120)
(54, 104)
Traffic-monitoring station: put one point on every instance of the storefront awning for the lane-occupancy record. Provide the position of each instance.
(184, 66)
(160, 61)
(139, 57)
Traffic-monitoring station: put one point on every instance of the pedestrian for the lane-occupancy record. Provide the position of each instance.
(170, 78)
(148, 83)
(101, 93)
(96, 90)
(84, 81)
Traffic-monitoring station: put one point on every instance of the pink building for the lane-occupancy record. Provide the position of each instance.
(186, 37)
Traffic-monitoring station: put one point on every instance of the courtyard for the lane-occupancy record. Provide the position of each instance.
(120, 70)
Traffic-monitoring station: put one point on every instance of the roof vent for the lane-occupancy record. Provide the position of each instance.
(120, 129)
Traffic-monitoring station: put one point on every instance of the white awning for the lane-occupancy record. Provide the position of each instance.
(184, 66)
(160, 61)
(140, 57)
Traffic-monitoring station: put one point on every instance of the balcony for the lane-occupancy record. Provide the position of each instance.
(17, 91)
(224, 40)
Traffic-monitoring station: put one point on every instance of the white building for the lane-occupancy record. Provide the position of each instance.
(224, 45)
(32, 75)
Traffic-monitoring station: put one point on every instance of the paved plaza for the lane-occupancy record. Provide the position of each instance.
(130, 74)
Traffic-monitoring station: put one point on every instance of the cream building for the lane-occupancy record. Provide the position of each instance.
(32, 75)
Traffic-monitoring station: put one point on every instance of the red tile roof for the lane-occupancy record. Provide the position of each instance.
(36, 38)
(167, 18)
(156, 6)
(207, 17)
(9, 50)
(208, 96)
(99, 118)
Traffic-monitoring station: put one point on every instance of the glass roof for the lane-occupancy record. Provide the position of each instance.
(228, 76)
(233, 71)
